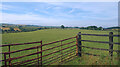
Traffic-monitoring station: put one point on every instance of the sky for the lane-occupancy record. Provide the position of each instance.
(79, 14)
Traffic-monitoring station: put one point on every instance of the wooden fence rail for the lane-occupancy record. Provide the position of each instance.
(8, 60)
(49, 60)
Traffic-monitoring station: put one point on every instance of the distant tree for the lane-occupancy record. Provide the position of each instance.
(39, 28)
(76, 27)
(62, 26)
(100, 28)
(92, 27)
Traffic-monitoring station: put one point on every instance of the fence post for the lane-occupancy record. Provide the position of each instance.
(79, 44)
(111, 44)
(41, 53)
(5, 60)
(9, 56)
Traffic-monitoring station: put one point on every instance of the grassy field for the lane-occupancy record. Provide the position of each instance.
(50, 35)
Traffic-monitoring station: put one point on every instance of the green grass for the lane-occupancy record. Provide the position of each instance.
(50, 35)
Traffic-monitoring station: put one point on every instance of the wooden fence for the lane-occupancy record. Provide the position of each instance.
(79, 44)
(49, 60)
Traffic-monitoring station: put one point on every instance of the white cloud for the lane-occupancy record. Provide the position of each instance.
(48, 7)
(0, 6)
(29, 19)
(7, 16)
(36, 9)
(7, 7)
(95, 10)
(95, 7)
(57, 8)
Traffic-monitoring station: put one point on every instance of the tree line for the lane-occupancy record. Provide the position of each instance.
(28, 28)
(88, 28)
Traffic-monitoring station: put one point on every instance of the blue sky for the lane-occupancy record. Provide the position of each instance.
(80, 14)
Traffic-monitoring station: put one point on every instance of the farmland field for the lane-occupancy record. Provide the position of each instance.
(50, 35)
